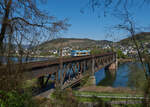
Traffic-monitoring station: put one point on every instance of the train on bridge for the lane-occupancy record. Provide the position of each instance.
(80, 52)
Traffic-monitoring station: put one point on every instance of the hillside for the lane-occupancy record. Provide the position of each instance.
(72, 42)
(85, 43)
(140, 37)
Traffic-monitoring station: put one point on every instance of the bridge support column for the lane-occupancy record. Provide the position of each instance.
(56, 80)
(41, 81)
(93, 66)
(112, 66)
(92, 80)
(45, 84)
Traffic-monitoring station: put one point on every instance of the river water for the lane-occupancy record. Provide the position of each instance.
(16, 59)
(125, 76)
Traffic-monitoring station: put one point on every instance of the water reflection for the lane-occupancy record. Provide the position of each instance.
(110, 77)
(16, 59)
(118, 78)
(122, 74)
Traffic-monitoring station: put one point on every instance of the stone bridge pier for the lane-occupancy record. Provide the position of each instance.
(112, 66)
(103, 64)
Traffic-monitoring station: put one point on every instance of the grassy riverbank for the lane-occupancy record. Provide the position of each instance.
(121, 60)
(108, 89)
(96, 98)
(93, 93)
(126, 60)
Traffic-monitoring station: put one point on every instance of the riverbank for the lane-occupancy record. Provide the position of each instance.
(96, 98)
(126, 60)
(107, 89)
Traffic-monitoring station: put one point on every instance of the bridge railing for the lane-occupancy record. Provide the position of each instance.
(60, 66)
(41, 64)
(35, 66)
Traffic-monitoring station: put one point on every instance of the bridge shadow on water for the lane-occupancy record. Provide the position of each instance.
(113, 78)
(108, 78)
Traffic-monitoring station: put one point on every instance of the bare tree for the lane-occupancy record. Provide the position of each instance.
(129, 25)
(122, 9)
(106, 5)
(20, 16)
(22, 22)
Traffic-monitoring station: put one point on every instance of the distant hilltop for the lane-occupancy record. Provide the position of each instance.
(143, 37)
(72, 42)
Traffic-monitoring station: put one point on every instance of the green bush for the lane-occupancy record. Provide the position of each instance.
(14, 99)
(96, 51)
(64, 98)
(120, 54)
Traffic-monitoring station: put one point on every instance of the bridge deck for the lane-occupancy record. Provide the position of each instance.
(41, 64)
(62, 67)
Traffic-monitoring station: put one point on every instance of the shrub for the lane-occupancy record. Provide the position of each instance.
(15, 99)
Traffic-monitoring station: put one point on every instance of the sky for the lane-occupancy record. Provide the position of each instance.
(89, 24)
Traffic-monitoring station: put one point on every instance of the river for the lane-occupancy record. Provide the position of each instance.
(126, 75)
(16, 59)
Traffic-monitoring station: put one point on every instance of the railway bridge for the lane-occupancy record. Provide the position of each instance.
(66, 72)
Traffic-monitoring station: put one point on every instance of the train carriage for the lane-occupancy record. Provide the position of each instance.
(80, 52)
